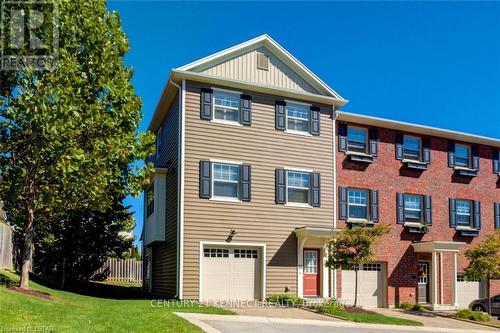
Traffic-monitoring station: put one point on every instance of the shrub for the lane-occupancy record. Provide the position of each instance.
(405, 305)
(418, 307)
(332, 307)
(473, 315)
(285, 299)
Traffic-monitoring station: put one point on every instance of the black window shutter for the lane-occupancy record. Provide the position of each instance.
(372, 134)
(280, 115)
(245, 182)
(206, 104)
(477, 215)
(315, 120)
(374, 205)
(280, 183)
(496, 161)
(342, 137)
(205, 179)
(315, 190)
(428, 209)
(245, 110)
(343, 203)
(399, 146)
(400, 204)
(451, 154)
(426, 155)
(497, 215)
(453, 213)
(475, 157)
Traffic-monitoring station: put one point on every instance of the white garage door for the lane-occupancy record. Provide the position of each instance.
(230, 274)
(371, 286)
(467, 291)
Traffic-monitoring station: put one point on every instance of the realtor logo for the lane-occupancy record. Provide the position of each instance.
(29, 35)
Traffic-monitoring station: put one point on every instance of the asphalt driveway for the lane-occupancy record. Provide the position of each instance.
(248, 324)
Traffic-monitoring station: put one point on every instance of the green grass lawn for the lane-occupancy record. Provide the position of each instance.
(376, 318)
(103, 308)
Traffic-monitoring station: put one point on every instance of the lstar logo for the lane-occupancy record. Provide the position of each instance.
(29, 35)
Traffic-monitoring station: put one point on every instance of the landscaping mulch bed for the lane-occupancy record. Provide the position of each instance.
(31, 292)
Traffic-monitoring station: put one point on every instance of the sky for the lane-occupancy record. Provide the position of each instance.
(430, 63)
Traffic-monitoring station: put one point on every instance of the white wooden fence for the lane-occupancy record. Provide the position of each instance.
(125, 270)
(6, 247)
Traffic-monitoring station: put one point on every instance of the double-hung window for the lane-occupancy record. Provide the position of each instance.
(462, 155)
(298, 187)
(357, 139)
(226, 106)
(150, 200)
(225, 180)
(413, 208)
(464, 212)
(357, 200)
(412, 148)
(297, 117)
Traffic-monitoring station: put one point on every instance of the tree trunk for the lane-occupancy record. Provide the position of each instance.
(26, 254)
(355, 287)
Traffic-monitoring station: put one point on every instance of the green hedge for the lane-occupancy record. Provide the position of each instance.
(285, 299)
(473, 315)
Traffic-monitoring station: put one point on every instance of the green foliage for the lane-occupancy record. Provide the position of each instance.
(69, 138)
(418, 307)
(285, 299)
(405, 305)
(473, 315)
(332, 307)
(484, 258)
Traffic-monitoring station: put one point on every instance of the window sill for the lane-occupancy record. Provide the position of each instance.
(413, 224)
(225, 199)
(414, 164)
(463, 171)
(359, 157)
(359, 221)
(226, 122)
(298, 205)
(298, 133)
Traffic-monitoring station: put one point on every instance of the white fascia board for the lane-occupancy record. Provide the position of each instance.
(414, 128)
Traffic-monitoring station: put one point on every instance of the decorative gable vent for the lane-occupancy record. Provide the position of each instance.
(262, 61)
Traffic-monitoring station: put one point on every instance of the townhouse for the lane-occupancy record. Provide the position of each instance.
(256, 169)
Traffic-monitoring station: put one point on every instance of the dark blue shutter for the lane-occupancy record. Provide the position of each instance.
(453, 213)
(205, 179)
(245, 182)
(426, 158)
(315, 120)
(245, 110)
(477, 215)
(280, 182)
(280, 115)
(400, 204)
(342, 137)
(343, 203)
(374, 206)
(497, 215)
(315, 190)
(399, 146)
(206, 104)
(475, 157)
(496, 161)
(451, 154)
(373, 139)
(428, 209)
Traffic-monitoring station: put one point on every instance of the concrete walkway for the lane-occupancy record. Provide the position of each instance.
(247, 324)
(280, 312)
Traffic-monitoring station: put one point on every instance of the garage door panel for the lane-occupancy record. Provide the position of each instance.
(371, 286)
(468, 291)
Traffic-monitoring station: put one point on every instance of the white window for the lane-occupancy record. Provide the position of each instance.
(297, 117)
(216, 253)
(357, 139)
(412, 148)
(464, 212)
(148, 268)
(150, 200)
(310, 262)
(242, 253)
(225, 180)
(357, 203)
(413, 207)
(297, 187)
(226, 106)
(462, 155)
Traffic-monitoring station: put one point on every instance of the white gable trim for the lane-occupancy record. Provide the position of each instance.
(277, 49)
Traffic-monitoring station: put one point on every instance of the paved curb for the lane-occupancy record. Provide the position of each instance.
(467, 321)
(324, 314)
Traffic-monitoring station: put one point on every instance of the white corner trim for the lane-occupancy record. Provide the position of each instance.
(262, 246)
(295, 102)
(287, 131)
(214, 160)
(334, 154)
(181, 198)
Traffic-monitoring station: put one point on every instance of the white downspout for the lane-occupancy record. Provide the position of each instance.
(334, 151)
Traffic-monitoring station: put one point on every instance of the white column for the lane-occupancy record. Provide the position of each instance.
(300, 266)
(434, 280)
(455, 289)
(324, 274)
(441, 278)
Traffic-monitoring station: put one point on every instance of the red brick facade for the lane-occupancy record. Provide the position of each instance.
(389, 176)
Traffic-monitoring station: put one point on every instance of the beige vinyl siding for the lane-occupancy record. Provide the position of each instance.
(164, 260)
(244, 68)
(261, 220)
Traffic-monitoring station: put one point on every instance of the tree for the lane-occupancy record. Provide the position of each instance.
(68, 137)
(484, 261)
(354, 247)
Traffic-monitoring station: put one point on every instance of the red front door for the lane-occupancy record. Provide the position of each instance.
(311, 272)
